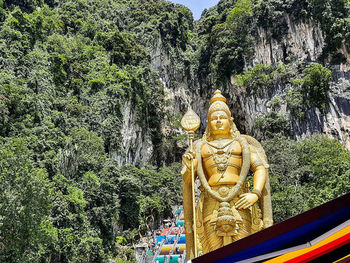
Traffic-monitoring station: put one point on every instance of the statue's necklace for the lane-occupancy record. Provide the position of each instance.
(220, 155)
(219, 146)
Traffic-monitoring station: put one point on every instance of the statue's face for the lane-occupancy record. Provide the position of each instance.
(219, 123)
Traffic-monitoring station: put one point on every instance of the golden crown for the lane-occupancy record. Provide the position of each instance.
(218, 103)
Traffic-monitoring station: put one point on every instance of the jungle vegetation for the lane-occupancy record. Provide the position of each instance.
(66, 69)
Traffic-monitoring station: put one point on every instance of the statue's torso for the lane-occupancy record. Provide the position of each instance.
(222, 161)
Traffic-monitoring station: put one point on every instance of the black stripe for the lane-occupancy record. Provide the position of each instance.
(333, 255)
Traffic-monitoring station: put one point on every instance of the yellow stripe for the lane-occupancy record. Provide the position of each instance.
(300, 252)
(343, 260)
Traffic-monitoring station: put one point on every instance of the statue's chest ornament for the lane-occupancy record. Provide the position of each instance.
(221, 162)
(225, 151)
(221, 154)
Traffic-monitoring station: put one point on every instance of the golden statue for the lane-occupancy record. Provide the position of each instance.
(227, 210)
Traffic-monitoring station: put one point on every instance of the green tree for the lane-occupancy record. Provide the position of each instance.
(306, 174)
(26, 197)
(316, 84)
(326, 166)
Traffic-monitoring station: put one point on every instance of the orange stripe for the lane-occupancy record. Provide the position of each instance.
(321, 250)
(291, 255)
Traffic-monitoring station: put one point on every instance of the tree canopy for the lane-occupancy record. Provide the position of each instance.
(70, 70)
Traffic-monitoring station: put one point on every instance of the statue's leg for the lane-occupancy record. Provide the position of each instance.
(212, 240)
(245, 228)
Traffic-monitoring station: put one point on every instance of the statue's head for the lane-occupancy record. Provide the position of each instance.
(220, 121)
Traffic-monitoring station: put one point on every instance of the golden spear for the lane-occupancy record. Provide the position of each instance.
(191, 122)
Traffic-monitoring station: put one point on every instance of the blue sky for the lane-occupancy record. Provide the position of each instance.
(197, 6)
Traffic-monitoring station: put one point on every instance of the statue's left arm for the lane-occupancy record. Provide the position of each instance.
(260, 173)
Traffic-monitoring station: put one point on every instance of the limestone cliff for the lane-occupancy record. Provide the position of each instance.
(303, 42)
(188, 77)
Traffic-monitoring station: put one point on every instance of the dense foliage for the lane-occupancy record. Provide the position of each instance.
(69, 70)
(79, 215)
(228, 29)
(306, 174)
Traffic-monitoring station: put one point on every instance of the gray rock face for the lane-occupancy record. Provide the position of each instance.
(337, 123)
(303, 42)
(136, 143)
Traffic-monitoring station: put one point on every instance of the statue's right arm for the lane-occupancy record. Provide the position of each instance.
(188, 159)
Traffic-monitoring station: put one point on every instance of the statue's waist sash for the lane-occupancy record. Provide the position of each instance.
(213, 205)
(224, 189)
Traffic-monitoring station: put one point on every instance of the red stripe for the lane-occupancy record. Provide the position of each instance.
(321, 250)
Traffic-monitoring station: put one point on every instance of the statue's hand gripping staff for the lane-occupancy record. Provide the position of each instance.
(191, 122)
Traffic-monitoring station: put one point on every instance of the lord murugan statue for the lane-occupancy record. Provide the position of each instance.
(227, 208)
